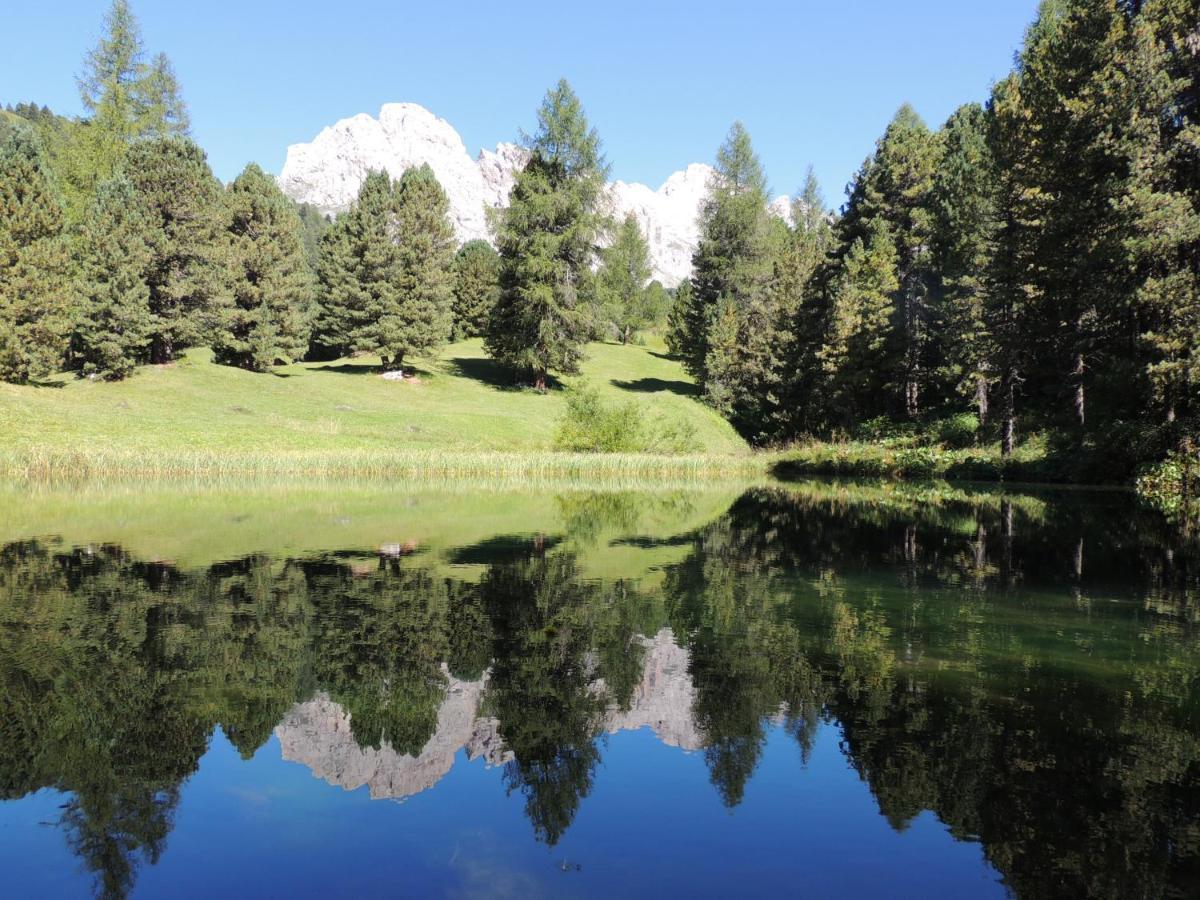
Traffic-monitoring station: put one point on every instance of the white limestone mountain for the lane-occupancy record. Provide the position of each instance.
(316, 733)
(328, 172)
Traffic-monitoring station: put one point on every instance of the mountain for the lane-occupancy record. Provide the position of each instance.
(328, 172)
(316, 733)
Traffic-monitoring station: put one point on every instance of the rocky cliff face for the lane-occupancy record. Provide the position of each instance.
(317, 733)
(328, 172)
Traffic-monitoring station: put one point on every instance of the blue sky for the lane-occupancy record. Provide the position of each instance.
(813, 81)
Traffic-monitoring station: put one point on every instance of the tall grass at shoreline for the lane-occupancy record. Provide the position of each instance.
(59, 465)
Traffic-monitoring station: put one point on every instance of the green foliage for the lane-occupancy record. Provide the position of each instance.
(187, 234)
(476, 287)
(385, 270)
(34, 263)
(624, 305)
(266, 320)
(114, 326)
(547, 239)
(592, 425)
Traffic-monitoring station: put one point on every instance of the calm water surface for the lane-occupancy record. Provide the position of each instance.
(820, 690)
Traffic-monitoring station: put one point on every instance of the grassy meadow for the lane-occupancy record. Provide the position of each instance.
(458, 415)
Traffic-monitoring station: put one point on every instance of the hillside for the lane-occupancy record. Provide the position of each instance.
(459, 400)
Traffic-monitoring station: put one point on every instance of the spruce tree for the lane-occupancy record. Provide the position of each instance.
(965, 224)
(799, 299)
(113, 328)
(855, 355)
(476, 287)
(621, 281)
(268, 313)
(187, 233)
(34, 264)
(895, 186)
(414, 314)
(733, 259)
(547, 244)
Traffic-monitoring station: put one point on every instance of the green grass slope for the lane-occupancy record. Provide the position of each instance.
(459, 400)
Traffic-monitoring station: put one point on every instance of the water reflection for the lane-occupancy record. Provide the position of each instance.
(1023, 667)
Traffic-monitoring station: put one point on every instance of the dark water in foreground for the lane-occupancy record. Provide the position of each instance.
(820, 690)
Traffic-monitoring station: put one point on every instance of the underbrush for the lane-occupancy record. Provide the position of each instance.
(591, 425)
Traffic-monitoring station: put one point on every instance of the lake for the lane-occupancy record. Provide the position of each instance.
(815, 689)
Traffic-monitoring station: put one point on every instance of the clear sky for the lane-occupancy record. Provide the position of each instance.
(814, 81)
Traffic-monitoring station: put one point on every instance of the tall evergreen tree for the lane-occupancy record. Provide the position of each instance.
(621, 281)
(161, 110)
(268, 314)
(186, 225)
(856, 354)
(414, 315)
(733, 258)
(547, 243)
(114, 326)
(895, 185)
(34, 265)
(476, 287)
(965, 224)
(802, 313)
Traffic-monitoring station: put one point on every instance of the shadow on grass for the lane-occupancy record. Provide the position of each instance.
(369, 369)
(653, 385)
(57, 385)
(494, 374)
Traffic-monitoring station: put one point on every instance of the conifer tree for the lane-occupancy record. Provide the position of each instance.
(621, 281)
(799, 299)
(1161, 204)
(476, 287)
(268, 313)
(964, 207)
(855, 356)
(895, 185)
(414, 313)
(113, 328)
(34, 265)
(186, 230)
(733, 258)
(547, 244)
(161, 110)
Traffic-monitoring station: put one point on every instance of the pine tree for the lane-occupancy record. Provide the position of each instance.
(801, 309)
(895, 185)
(113, 329)
(547, 243)
(267, 317)
(126, 99)
(965, 225)
(161, 110)
(1161, 204)
(186, 222)
(733, 258)
(621, 281)
(855, 355)
(476, 287)
(414, 314)
(34, 266)
(679, 334)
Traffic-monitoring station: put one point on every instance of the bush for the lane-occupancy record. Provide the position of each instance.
(957, 432)
(590, 425)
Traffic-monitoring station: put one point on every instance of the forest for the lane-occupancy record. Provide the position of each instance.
(1030, 269)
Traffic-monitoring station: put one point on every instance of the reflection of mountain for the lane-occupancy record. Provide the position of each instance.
(316, 733)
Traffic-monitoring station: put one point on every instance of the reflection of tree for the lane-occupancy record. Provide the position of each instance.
(1026, 669)
(382, 638)
(954, 644)
(539, 687)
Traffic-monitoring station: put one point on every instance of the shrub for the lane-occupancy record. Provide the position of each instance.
(592, 426)
(957, 432)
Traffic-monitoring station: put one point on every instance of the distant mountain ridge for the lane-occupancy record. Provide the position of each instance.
(328, 171)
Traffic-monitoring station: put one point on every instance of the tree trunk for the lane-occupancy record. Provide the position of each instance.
(1079, 395)
(1009, 414)
(981, 399)
(539, 381)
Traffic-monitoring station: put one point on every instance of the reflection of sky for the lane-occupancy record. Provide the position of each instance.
(652, 821)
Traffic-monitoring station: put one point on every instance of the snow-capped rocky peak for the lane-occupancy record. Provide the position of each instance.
(328, 172)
